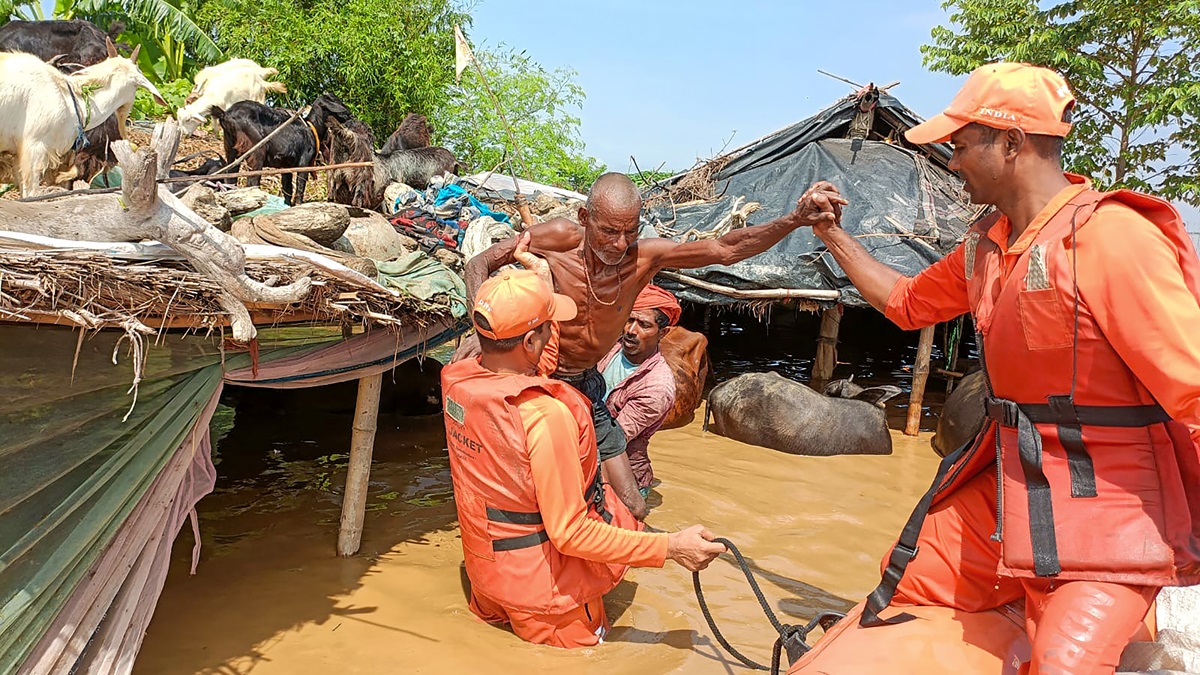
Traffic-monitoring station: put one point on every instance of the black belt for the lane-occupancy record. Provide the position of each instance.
(517, 518)
(594, 495)
(1069, 420)
(906, 545)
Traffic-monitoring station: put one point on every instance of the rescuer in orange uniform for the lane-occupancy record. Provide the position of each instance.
(543, 537)
(1082, 495)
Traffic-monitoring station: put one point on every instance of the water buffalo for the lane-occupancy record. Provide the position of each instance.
(686, 353)
(770, 410)
(963, 415)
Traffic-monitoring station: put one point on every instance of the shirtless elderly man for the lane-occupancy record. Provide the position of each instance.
(602, 265)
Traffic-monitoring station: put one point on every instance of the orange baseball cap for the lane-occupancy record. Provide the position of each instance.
(1003, 96)
(517, 301)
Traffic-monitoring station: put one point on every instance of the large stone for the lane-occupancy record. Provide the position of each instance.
(372, 236)
(242, 200)
(322, 222)
(203, 200)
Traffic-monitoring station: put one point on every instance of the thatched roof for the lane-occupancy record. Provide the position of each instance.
(93, 289)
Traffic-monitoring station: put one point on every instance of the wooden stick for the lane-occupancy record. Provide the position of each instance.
(194, 179)
(267, 172)
(362, 444)
(826, 359)
(920, 375)
(754, 294)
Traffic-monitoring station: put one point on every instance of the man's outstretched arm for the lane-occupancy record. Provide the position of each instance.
(821, 203)
(873, 279)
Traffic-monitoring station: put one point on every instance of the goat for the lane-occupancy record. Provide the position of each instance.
(412, 133)
(39, 121)
(223, 85)
(246, 123)
(206, 168)
(324, 108)
(69, 46)
(412, 167)
(353, 186)
(68, 42)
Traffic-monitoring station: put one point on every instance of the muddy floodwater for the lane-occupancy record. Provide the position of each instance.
(271, 597)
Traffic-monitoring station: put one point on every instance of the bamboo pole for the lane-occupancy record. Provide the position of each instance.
(920, 375)
(267, 172)
(362, 443)
(194, 179)
(826, 360)
(754, 294)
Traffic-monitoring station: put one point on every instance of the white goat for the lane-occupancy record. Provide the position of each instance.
(39, 125)
(223, 85)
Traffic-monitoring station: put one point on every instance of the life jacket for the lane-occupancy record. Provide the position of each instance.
(509, 557)
(1095, 480)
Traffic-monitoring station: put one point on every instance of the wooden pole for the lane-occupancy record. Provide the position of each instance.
(362, 443)
(195, 179)
(920, 375)
(826, 361)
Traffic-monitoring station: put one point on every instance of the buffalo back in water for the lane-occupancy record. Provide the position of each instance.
(772, 411)
(962, 416)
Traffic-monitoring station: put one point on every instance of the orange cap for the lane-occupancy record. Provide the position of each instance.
(1003, 96)
(517, 301)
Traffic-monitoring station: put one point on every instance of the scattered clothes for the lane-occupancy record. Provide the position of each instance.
(481, 234)
(456, 195)
(429, 231)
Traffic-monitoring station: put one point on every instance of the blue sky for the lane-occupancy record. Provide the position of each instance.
(671, 81)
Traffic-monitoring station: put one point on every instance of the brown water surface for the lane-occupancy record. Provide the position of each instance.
(271, 597)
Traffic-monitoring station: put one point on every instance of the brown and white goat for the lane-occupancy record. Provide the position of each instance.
(224, 84)
(363, 187)
(43, 113)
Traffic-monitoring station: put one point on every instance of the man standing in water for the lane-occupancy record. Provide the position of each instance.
(1083, 495)
(602, 265)
(639, 381)
(542, 537)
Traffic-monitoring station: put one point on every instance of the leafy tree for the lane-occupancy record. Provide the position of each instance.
(1134, 66)
(538, 104)
(171, 42)
(384, 58)
(649, 177)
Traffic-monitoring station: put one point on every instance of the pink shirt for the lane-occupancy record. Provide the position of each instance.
(640, 403)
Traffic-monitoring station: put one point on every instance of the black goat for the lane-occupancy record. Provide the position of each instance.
(207, 168)
(66, 42)
(412, 133)
(246, 123)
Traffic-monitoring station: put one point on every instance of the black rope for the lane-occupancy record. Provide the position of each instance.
(790, 637)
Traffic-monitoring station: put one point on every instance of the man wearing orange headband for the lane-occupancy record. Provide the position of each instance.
(639, 381)
(1082, 494)
(543, 538)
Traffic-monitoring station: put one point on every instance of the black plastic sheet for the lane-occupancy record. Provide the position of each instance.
(906, 210)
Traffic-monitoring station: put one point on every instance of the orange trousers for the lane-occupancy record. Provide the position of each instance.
(584, 626)
(1074, 627)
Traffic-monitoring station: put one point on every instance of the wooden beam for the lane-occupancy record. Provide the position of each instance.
(826, 360)
(756, 293)
(362, 444)
(920, 376)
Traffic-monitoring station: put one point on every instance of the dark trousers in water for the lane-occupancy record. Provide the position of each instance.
(610, 438)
